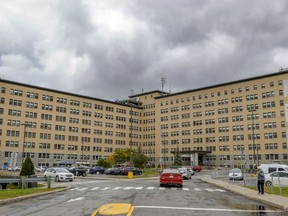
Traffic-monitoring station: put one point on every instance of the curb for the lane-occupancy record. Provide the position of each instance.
(269, 199)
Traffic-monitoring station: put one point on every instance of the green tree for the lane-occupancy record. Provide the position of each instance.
(27, 168)
(121, 156)
(139, 159)
(104, 163)
(177, 158)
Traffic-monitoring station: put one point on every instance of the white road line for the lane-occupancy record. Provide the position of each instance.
(186, 189)
(161, 188)
(139, 188)
(74, 189)
(204, 209)
(82, 189)
(209, 189)
(197, 189)
(128, 188)
(76, 199)
(106, 188)
(150, 188)
(174, 189)
(95, 188)
(116, 188)
(220, 190)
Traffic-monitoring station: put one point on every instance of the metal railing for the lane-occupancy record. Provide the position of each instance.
(23, 181)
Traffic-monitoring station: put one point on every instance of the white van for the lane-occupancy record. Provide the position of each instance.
(269, 168)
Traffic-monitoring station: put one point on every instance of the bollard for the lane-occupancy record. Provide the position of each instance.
(130, 175)
(23, 182)
(48, 181)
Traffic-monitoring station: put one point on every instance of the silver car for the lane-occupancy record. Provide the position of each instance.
(185, 173)
(236, 174)
(59, 174)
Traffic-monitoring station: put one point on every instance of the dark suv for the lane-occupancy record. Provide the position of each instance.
(78, 171)
(133, 169)
(96, 169)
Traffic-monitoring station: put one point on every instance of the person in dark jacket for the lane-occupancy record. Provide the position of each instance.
(260, 181)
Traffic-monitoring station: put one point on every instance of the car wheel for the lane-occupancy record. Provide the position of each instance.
(161, 185)
(56, 179)
(71, 180)
(140, 173)
(268, 184)
(83, 174)
(181, 186)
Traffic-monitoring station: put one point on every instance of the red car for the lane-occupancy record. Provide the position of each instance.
(171, 177)
(196, 168)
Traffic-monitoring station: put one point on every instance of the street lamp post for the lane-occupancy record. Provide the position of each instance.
(164, 152)
(82, 151)
(131, 124)
(23, 149)
(253, 138)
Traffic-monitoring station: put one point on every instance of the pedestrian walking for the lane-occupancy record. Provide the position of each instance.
(260, 181)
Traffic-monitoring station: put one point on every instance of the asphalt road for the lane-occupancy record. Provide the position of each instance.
(86, 195)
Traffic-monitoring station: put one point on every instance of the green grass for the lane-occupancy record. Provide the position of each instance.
(274, 190)
(12, 193)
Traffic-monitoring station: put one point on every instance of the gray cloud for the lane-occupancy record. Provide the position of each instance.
(107, 48)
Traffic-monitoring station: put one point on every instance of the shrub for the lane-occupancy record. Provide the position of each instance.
(27, 168)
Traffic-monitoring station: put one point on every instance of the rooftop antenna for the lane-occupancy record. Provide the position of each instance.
(131, 91)
(163, 82)
(170, 89)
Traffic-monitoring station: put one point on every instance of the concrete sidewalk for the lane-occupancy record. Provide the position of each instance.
(280, 202)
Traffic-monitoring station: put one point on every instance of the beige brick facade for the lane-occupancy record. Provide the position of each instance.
(211, 126)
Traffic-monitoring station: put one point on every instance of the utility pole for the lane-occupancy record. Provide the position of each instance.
(131, 124)
(253, 139)
(23, 150)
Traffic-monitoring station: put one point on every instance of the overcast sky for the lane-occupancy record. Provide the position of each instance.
(106, 48)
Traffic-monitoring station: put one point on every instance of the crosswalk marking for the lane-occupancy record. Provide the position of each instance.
(116, 188)
(95, 188)
(82, 189)
(106, 188)
(128, 188)
(220, 190)
(74, 189)
(209, 189)
(149, 188)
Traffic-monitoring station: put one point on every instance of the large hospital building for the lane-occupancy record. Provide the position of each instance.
(242, 122)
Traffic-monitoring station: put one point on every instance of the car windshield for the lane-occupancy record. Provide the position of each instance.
(182, 169)
(63, 170)
(235, 171)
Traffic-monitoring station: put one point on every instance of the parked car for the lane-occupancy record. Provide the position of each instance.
(14, 168)
(171, 177)
(109, 171)
(96, 169)
(133, 169)
(117, 171)
(236, 174)
(59, 174)
(190, 171)
(196, 168)
(272, 179)
(185, 173)
(269, 168)
(78, 171)
(37, 169)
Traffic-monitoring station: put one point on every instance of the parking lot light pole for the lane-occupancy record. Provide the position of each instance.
(82, 151)
(23, 147)
(253, 138)
(131, 124)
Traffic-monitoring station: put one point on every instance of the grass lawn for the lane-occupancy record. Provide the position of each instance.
(12, 193)
(274, 190)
